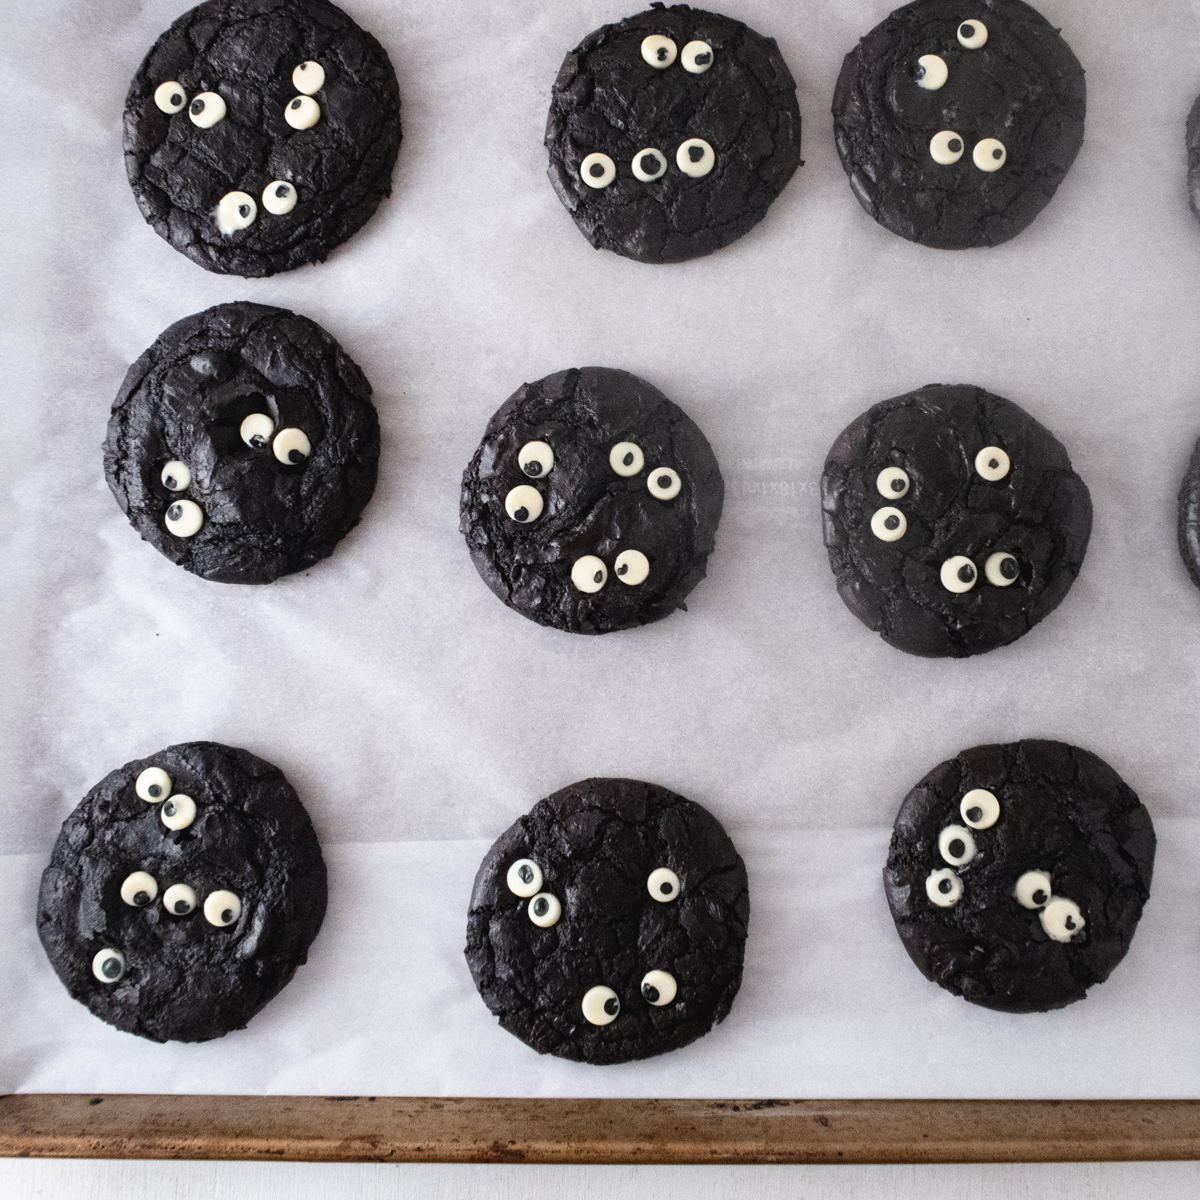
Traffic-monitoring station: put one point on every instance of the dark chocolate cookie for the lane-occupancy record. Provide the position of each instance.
(592, 503)
(260, 134)
(671, 132)
(1017, 874)
(956, 120)
(953, 520)
(610, 923)
(243, 444)
(1193, 157)
(183, 893)
(1189, 516)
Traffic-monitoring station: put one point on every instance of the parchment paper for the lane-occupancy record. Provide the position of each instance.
(418, 717)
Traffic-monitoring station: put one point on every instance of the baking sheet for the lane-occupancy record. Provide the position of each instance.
(396, 692)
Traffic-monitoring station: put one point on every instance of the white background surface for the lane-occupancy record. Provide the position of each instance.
(418, 717)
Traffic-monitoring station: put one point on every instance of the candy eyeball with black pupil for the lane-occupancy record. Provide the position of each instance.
(524, 878)
(291, 446)
(139, 889)
(931, 72)
(958, 574)
(237, 210)
(153, 785)
(889, 524)
(600, 1005)
(992, 464)
(109, 965)
(659, 51)
(664, 483)
(589, 574)
(597, 170)
(179, 899)
(176, 476)
(302, 113)
(523, 504)
(257, 430)
(536, 459)
(892, 482)
(206, 110)
(1062, 919)
(279, 197)
(695, 157)
(658, 988)
(663, 884)
(170, 97)
(632, 567)
(696, 57)
(946, 148)
(626, 458)
(184, 518)
(943, 887)
(1033, 890)
(222, 908)
(989, 154)
(956, 845)
(308, 78)
(178, 811)
(980, 809)
(649, 164)
(972, 35)
(1001, 569)
(544, 910)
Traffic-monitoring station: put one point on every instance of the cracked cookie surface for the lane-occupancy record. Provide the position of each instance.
(940, 548)
(291, 147)
(178, 913)
(609, 923)
(592, 502)
(1017, 873)
(956, 120)
(693, 121)
(243, 444)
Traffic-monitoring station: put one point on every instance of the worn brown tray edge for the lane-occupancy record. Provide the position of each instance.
(479, 1130)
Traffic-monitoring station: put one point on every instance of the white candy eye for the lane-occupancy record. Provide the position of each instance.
(236, 210)
(206, 110)
(626, 458)
(1062, 919)
(632, 567)
(695, 157)
(308, 78)
(1001, 569)
(889, 524)
(696, 57)
(946, 147)
(179, 899)
(302, 113)
(256, 430)
(524, 878)
(222, 908)
(992, 463)
(523, 503)
(139, 889)
(663, 884)
(956, 845)
(279, 198)
(892, 482)
(184, 518)
(931, 72)
(658, 987)
(664, 483)
(659, 51)
(109, 965)
(178, 811)
(959, 574)
(536, 459)
(989, 154)
(589, 574)
(597, 170)
(153, 785)
(544, 910)
(980, 809)
(943, 887)
(972, 35)
(170, 97)
(176, 476)
(291, 446)
(649, 164)
(600, 1005)
(1033, 890)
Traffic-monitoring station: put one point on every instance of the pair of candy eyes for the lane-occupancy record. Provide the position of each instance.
(601, 1005)
(221, 907)
(694, 157)
(154, 786)
(947, 147)
(589, 573)
(290, 446)
(209, 108)
(525, 879)
(660, 51)
(932, 71)
(991, 463)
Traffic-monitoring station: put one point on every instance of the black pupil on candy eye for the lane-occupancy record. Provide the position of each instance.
(295, 456)
(1070, 922)
(892, 523)
(181, 906)
(522, 514)
(176, 98)
(919, 73)
(622, 568)
(141, 899)
(991, 461)
(111, 968)
(997, 154)
(170, 482)
(666, 889)
(628, 459)
(533, 467)
(243, 210)
(541, 907)
(695, 153)
(662, 54)
(597, 169)
(296, 102)
(227, 915)
(281, 190)
(1039, 897)
(1008, 568)
(649, 164)
(966, 573)
(944, 887)
(897, 485)
(599, 575)
(154, 790)
(968, 31)
(526, 874)
(703, 58)
(170, 808)
(197, 106)
(650, 992)
(664, 481)
(974, 814)
(612, 1006)
(956, 848)
(174, 512)
(258, 441)
(955, 145)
